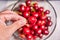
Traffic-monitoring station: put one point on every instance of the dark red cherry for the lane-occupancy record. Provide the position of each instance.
(26, 14)
(26, 30)
(41, 9)
(47, 12)
(28, 2)
(35, 14)
(46, 32)
(27, 8)
(32, 20)
(35, 27)
(22, 8)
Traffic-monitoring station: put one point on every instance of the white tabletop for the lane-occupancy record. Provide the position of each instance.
(56, 5)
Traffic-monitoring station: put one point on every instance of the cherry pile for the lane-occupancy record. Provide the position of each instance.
(38, 22)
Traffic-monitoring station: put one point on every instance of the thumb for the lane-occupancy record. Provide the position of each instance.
(18, 24)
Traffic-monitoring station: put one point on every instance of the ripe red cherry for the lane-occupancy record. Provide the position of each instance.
(39, 31)
(22, 8)
(35, 4)
(42, 27)
(26, 30)
(32, 20)
(46, 32)
(41, 9)
(29, 36)
(48, 18)
(26, 14)
(41, 22)
(35, 14)
(47, 12)
(40, 35)
(43, 17)
(28, 2)
(27, 8)
(49, 23)
(35, 27)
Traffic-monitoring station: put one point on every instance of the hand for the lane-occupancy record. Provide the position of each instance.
(7, 31)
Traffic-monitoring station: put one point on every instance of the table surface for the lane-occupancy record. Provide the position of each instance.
(56, 5)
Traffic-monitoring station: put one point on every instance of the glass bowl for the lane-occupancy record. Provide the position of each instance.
(53, 15)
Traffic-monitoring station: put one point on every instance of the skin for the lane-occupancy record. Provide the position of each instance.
(7, 31)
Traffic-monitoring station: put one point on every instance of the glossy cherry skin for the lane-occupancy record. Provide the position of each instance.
(28, 2)
(41, 22)
(35, 5)
(45, 32)
(40, 35)
(41, 9)
(27, 8)
(39, 31)
(35, 14)
(35, 27)
(50, 23)
(22, 8)
(26, 30)
(26, 14)
(47, 12)
(29, 37)
(32, 20)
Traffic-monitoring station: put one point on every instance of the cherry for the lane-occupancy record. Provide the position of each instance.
(42, 27)
(27, 8)
(26, 14)
(28, 2)
(35, 14)
(32, 32)
(41, 9)
(35, 5)
(26, 30)
(40, 35)
(43, 17)
(41, 22)
(29, 37)
(47, 12)
(39, 31)
(32, 20)
(35, 27)
(46, 32)
(49, 23)
(22, 8)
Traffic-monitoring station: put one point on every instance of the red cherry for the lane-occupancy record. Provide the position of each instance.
(46, 32)
(35, 27)
(47, 12)
(29, 37)
(41, 22)
(48, 18)
(42, 27)
(43, 17)
(27, 8)
(26, 30)
(26, 14)
(49, 23)
(32, 32)
(22, 8)
(46, 28)
(35, 14)
(35, 4)
(41, 9)
(32, 20)
(40, 35)
(39, 31)
(28, 2)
